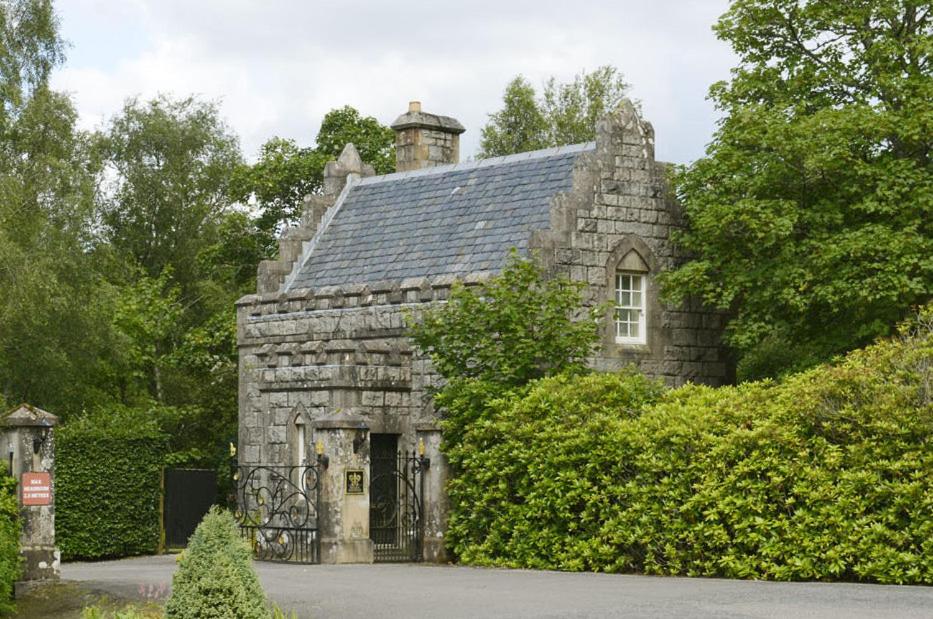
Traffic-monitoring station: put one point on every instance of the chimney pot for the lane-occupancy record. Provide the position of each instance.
(414, 106)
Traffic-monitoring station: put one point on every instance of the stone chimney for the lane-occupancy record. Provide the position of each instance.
(425, 140)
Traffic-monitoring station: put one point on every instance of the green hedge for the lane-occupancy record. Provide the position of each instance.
(10, 561)
(108, 484)
(825, 475)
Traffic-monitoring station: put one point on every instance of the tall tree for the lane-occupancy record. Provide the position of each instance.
(374, 141)
(180, 253)
(171, 163)
(566, 113)
(810, 215)
(52, 339)
(277, 184)
(572, 109)
(519, 126)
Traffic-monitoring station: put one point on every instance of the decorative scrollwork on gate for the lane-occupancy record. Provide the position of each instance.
(395, 513)
(277, 510)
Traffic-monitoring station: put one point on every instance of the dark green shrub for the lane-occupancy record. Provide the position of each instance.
(775, 357)
(108, 487)
(10, 561)
(825, 475)
(215, 576)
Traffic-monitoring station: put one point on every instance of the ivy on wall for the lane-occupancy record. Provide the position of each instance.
(108, 489)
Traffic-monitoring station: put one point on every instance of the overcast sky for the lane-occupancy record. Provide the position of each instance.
(277, 66)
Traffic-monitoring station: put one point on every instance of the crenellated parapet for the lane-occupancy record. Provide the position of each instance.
(406, 291)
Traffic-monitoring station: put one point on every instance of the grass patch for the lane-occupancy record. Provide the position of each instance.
(67, 600)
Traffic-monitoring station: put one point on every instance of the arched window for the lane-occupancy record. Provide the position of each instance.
(299, 438)
(631, 299)
(630, 288)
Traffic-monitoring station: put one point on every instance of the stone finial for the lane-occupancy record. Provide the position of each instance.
(336, 172)
(424, 140)
(350, 159)
(624, 131)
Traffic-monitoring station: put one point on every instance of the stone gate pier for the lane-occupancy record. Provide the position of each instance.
(344, 492)
(29, 443)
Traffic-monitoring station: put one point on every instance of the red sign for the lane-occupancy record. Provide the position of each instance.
(37, 489)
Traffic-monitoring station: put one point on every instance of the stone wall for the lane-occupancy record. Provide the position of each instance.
(621, 202)
(312, 352)
(24, 429)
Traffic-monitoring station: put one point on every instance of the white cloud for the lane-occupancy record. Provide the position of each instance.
(278, 67)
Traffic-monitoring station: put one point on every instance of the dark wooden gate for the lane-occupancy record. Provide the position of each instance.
(189, 493)
(395, 509)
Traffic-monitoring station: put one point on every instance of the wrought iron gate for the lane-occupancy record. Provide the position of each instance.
(396, 524)
(277, 509)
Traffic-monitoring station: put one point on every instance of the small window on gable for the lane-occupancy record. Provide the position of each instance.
(631, 308)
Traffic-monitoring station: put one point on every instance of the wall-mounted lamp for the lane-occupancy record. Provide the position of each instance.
(359, 439)
(425, 462)
(322, 459)
(39, 440)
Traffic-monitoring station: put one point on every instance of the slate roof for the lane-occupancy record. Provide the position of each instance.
(446, 220)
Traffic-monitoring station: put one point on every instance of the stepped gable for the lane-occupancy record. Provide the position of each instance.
(445, 220)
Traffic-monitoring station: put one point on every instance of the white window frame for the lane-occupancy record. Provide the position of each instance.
(641, 307)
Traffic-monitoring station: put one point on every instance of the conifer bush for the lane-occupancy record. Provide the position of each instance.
(215, 577)
(825, 475)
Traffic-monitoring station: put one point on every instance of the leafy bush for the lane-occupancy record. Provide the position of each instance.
(10, 561)
(533, 470)
(215, 576)
(518, 326)
(825, 475)
(108, 485)
(489, 341)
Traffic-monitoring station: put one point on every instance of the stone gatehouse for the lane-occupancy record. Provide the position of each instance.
(326, 370)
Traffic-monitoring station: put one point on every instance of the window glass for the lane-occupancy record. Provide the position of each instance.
(630, 307)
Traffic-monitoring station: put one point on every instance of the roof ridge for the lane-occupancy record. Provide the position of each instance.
(481, 163)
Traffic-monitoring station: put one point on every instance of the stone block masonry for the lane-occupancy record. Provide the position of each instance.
(314, 352)
(621, 202)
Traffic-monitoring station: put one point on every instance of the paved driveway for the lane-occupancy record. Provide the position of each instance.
(437, 592)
